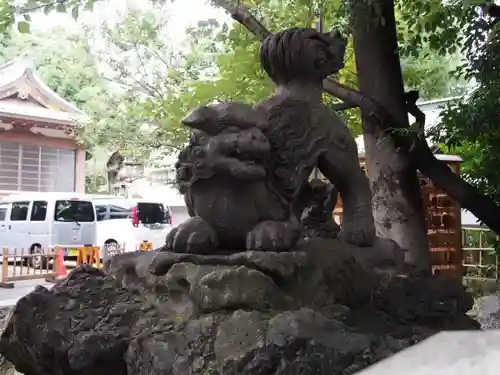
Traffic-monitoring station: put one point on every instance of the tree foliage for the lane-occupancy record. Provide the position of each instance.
(150, 77)
(470, 126)
(19, 12)
(134, 84)
(220, 62)
(54, 51)
(240, 77)
(65, 63)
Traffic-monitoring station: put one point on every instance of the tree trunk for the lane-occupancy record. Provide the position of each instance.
(397, 203)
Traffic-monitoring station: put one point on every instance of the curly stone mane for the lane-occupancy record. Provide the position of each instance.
(192, 165)
(301, 57)
(302, 54)
(294, 146)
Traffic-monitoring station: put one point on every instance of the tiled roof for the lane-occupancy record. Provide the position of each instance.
(24, 95)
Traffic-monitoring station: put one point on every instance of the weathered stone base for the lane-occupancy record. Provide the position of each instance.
(326, 308)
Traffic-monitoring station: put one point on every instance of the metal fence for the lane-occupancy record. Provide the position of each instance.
(480, 260)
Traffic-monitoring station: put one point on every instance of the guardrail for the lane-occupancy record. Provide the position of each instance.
(89, 255)
(483, 263)
(20, 264)
(144, 246)
(109, 252)
(26, 266)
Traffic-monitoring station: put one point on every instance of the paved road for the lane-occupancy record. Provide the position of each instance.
(9, 297)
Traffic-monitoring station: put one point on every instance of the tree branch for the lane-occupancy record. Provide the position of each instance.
(418, 126)
(492, 10)
(145, 73)
(241, 13)
(159, 56)
(128, 85)
(124, 74)
(25, 10)
(342, 106)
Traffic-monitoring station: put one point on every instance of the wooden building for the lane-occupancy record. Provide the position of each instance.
(38, 149)
(443, 218)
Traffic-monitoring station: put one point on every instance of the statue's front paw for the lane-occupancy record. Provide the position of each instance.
(194, 236)
(359, 233)
(272, 236)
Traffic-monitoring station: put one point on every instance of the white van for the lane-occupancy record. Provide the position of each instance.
(32, 221)
(132, 222)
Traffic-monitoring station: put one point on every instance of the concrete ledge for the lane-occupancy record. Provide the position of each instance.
(453, 353)
(9, 302)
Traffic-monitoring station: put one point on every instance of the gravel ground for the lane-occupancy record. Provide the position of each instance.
(4, 311)
(487, 311)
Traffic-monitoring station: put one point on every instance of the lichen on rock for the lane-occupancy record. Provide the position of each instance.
(325, 308)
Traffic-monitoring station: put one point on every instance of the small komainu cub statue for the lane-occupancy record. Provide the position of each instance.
(317, 217)
(245, 172)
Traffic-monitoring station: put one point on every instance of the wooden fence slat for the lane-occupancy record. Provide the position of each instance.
(22, 259)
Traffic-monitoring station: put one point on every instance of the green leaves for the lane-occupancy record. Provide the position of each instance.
(74, 12)
(48, 8)
(240, 77)
(89, 5)
(9, 14)
(434, 23)
(470, 126)
(152, 85)
(23, 27)
(61, 7)
(6, 15)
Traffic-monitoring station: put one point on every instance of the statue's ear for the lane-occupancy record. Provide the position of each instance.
(240, 115)
(200, 117)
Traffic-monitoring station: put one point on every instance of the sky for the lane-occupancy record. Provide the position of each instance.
(182, 14)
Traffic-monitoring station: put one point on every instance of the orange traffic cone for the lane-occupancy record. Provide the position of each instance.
(60, 269)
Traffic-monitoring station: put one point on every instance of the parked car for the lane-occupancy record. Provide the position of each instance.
(134, 223)
(36, 221)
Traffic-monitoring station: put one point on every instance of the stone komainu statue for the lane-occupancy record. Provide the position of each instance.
(245, 173)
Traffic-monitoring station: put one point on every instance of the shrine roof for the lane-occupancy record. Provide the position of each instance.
(24, 96)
